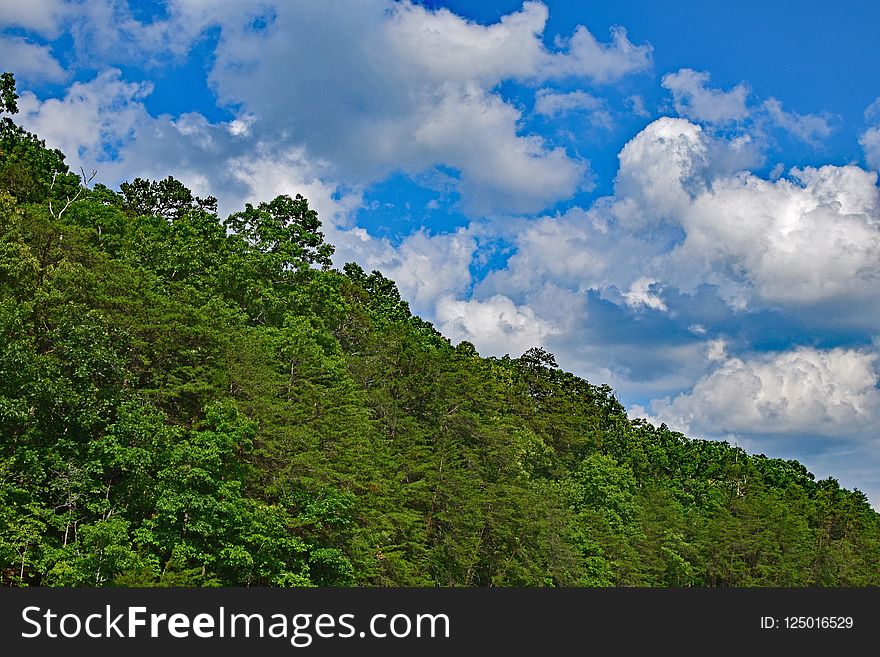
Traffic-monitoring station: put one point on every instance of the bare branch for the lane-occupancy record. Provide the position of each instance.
(84, 184)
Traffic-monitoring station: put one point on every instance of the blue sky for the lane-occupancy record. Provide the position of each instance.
(679, 198)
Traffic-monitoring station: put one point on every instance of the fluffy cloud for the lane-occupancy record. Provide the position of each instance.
(641, 293)
(29, 60)
(806, 239)
(42, 16)
(691, 246)
(448, 47)
(685, 214)
(92, 121)
(870, 138)
(427, 267)
(809, 128)
(405, 88)
(108, 32)
(500, 171)
(800, 241)
(670, 162)
(624, 246)
(870, 143)
(560, 259)
(808, 391)
(694, 100)
(552, 104)
(602, 62)
(443, 46)
(661, 169)
(496, 325)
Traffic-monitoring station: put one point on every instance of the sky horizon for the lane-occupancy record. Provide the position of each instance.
(678, 200)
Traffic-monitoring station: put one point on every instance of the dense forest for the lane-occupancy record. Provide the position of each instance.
(187, 400)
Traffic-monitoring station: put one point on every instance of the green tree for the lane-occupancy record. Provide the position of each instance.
(285, 230)
(8, 96)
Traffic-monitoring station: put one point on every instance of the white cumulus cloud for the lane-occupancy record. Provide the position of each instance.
(809, 391)
(808, 238)
(427, 267)
(802, 240)
(641, 293)
(809, 128)
(495, 325)
(552, 104)
(587, 57)
(386, 86)
(42, 16)
(92, 118)
(29, 60)
(695, 100)
(870, 143)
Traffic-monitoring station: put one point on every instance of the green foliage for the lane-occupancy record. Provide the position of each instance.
(8, 97)
(284, 231)
(168, 199)
(187, 401)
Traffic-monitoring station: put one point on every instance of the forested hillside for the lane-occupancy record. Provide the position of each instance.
(192, 400)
